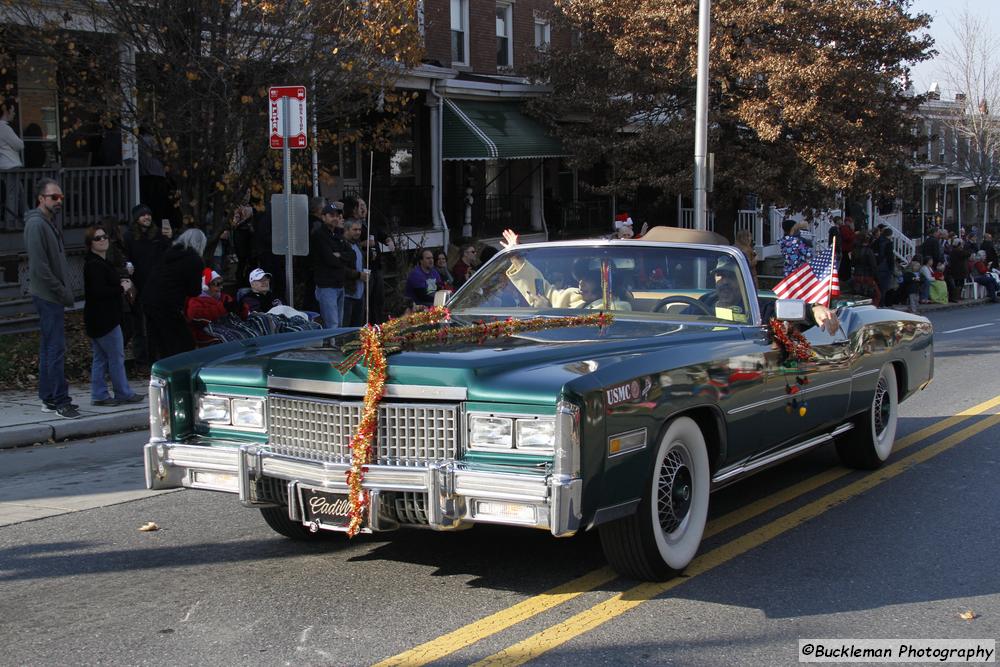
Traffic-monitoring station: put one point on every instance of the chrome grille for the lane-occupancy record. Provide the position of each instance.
(321, 430)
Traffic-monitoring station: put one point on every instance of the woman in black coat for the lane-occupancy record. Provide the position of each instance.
(176, 277)
(103, 287)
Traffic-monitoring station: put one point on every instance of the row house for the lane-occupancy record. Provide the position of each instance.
(474, 162)
(944, 193)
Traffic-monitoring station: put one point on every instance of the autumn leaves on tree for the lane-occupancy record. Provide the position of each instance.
(195, 74)
(806, 98)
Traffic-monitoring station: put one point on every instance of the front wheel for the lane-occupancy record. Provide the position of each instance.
(869, 443)
(663, 536)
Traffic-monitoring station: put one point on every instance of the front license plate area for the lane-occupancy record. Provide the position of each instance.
(326, 509)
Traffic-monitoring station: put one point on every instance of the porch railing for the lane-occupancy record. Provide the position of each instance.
(92, 193)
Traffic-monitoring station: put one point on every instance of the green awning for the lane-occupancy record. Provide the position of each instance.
(492, 131)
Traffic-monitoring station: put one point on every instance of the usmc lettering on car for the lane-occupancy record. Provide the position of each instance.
(623, 393)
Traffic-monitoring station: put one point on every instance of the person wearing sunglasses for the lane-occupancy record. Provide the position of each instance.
(103, 288)
(48, 274)
(207, 307)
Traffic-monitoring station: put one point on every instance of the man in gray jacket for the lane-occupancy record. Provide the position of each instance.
(48, 275)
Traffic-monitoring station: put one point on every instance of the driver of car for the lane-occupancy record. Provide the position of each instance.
(727, 302)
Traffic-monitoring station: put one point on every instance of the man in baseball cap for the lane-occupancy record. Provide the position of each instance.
(259, 297)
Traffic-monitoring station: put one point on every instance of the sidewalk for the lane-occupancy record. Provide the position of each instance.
(22, 422)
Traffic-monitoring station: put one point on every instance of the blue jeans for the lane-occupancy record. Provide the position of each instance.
(331, 305)
(354, 312)
(52, 386)
(109, 359)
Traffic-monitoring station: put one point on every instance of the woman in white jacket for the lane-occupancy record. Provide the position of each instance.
(10, 158)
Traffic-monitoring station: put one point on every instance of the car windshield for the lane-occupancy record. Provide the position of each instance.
(659, 282)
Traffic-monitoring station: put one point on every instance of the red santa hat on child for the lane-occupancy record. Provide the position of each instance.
(207, 276)
(622, 220)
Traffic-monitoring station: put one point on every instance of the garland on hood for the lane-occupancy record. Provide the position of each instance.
(376, 342)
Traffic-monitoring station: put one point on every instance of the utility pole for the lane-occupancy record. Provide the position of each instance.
(701, 116)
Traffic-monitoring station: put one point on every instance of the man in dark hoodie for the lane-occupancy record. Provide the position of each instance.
(49, 287)
(145, 244)
(176, 277)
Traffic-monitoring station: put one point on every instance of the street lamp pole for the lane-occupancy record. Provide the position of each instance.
(701, 116)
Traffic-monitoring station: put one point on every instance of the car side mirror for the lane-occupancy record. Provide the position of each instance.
(790, 310)
(441, 297)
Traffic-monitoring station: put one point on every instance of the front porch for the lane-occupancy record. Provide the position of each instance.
(92, 194)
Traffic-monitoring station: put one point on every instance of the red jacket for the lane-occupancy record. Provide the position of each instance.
(200, 310)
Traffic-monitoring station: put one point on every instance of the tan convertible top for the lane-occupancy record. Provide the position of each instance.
(679, 235)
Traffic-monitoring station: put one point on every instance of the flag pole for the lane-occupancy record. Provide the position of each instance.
(833, 261)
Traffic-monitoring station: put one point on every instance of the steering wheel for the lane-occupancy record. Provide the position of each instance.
(680, 298)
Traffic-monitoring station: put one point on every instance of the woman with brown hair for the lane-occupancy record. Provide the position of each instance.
(103, 287)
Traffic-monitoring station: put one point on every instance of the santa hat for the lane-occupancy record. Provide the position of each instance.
(622, 220)
(207, 276)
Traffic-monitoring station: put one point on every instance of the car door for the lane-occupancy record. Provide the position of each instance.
(799, 399)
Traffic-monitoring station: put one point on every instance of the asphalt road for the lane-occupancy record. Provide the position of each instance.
(805, 550)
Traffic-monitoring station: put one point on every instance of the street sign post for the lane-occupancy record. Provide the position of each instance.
(287, 130)
(298, 243)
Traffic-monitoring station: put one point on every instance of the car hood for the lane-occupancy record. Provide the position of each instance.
(525, 368)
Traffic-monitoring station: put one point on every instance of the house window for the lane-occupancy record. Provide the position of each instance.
(505, 47)
(460, 32)
(543, 34)
(38, 110)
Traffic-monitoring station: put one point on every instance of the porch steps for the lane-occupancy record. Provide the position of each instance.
(9, 291)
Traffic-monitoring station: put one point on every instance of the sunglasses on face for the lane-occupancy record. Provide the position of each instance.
(216, 283)
(100, 237)
(54, 197)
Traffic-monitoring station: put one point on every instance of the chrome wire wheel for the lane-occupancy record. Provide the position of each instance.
(884, 411)
(679, 497)
(675, 488)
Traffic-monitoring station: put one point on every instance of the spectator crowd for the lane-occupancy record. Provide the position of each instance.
(163, 294)
(946, 265)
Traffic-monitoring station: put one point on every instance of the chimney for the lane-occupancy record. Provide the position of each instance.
(934, 92)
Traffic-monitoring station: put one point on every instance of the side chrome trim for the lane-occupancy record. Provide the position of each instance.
(737, 471)
(331, 388)
(784, 397)
(864, 373)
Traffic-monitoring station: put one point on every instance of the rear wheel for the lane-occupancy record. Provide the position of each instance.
(869, 443)
(277, 519)
(663, 536)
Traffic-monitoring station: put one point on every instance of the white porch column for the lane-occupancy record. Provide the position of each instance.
(437, 169)
(129, 130)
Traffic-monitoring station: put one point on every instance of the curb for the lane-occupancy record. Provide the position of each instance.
(30, 434)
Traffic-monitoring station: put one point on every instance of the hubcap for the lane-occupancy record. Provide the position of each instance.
(675, 491)
(882, 408)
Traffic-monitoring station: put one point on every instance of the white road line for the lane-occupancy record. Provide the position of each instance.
(976, 326)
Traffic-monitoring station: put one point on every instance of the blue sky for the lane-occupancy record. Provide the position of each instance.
(942, 12)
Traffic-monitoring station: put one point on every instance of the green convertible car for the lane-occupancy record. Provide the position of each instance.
(624, 427)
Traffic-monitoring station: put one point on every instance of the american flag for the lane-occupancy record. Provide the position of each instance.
(813, 282)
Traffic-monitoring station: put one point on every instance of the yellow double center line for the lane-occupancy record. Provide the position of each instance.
(551, 637)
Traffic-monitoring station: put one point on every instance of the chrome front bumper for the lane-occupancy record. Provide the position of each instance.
(457, 492)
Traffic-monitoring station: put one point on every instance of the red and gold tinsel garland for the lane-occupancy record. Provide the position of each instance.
(792, 340)
(397, 333)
